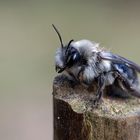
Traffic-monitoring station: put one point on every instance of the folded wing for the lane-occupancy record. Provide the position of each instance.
(119, 59)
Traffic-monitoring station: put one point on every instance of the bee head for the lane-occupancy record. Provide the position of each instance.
(66, 56)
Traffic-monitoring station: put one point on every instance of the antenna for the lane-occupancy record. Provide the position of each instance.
(58, 35)
(69, 45)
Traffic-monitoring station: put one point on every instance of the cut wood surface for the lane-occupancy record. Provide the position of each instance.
(76, 118)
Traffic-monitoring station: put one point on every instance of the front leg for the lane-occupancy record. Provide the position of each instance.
(80, 74)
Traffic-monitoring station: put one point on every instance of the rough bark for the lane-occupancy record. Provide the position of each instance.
(75, 117)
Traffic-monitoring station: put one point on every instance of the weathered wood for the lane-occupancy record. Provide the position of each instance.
(75, 117)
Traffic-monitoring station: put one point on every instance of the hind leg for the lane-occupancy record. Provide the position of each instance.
(115, 90)
(127, 86)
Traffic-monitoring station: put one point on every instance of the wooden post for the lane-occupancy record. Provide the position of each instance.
(75, 117)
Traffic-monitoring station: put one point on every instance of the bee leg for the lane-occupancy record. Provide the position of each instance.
(80, 74)
(125, 84)
(101, 86)
(131, 88)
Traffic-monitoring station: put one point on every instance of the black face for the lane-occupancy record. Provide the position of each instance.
(72, 57)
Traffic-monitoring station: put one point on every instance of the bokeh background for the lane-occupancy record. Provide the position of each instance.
(27, 48)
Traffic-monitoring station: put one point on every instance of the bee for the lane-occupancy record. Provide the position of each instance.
(85, 61)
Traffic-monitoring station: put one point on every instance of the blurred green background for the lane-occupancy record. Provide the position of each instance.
(27, 48)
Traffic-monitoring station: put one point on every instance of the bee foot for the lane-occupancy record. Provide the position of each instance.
(97, 102)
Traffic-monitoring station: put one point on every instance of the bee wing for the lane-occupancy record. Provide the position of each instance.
(119, 59)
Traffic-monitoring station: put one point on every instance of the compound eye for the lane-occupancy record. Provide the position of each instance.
(73, 58)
